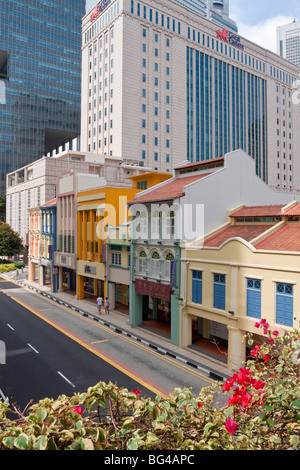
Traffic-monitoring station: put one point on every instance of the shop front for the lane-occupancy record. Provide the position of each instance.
(156, 305)
(66, 264)
(90, 280)
(48, 275)
(210, 337)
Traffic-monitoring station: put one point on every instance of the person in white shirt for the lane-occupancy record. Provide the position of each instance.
(99, 304)
(106, 305)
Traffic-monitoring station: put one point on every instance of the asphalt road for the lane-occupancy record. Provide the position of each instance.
(43, 362)
(52, 350)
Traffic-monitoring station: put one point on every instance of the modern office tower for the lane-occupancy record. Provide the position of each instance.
(218, 11)
(40, 79)
(288, 42)
(215, 10)
(162, 84)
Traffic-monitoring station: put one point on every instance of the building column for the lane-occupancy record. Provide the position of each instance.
(31, 272)
(174, 312)
(186, 329)
(60, 279)
(112, 295)
(236, 348)
(80, 287)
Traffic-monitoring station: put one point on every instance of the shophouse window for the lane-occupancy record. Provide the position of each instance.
(167, 265)
(116, 258)
(142, 262)
(284, 304)
(155, 264)
(219, 291)
(197, 287)
(253, 307)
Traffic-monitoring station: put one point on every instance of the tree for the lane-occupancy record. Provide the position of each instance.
(10, 241)
(3, 207)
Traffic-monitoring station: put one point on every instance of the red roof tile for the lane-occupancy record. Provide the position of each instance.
(258, 211)
(285, 239)
(170, 190)
(49, 203)
(294, 210)
(247, 232)
(202, 163)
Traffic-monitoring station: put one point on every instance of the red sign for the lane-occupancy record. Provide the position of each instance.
(223, 34)
(229, 37)
(99, 8)
(154, 289)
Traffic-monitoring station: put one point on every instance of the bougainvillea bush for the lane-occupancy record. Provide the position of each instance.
(262, 411)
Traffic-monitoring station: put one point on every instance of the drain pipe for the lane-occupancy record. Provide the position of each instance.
(184, 304)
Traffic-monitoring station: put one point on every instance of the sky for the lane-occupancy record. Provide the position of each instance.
(257, 19)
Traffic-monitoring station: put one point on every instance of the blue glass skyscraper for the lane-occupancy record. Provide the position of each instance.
(40, 78)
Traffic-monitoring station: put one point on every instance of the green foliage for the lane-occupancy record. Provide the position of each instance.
(10, 241)
(3, 207)
(6, 267)
(262, 413)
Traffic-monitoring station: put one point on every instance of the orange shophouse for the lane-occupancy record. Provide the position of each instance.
(97, 210)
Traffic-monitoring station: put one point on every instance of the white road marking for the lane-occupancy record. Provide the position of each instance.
(33, 348)
(9, 326)
(65, 378)
(2, 395)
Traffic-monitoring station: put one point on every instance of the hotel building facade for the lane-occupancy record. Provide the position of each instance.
(162, 84)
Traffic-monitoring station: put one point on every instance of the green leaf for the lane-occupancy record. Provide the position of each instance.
(9, 442)
(296, 403)
(22, 442)
(41, 414)
(132, 444)
(41, 443)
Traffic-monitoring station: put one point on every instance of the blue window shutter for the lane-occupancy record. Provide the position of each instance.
(197, 291)
(219, 296)
(253, 303)
(284, 310)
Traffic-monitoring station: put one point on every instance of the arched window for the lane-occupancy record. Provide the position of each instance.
(142, 261)
(167, 265)
(155, 264)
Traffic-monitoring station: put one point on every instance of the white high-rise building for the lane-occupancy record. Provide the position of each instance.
(162, 84)
(288, 42)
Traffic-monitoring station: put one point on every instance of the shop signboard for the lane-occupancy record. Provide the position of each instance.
(153, 289)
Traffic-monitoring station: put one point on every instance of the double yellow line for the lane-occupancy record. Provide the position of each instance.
(156, 390)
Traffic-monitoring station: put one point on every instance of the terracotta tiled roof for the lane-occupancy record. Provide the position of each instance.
(202, 163)
(247, 232)
(49, 203)
(294, 210)
(258, 211)
(168, 191)
(285, 239)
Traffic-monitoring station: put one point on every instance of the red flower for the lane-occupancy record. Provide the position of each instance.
(266, 357)
(137, 392)
(257, 325)
(231, 426)
(199, 405)
(79, 410)
(275, 333)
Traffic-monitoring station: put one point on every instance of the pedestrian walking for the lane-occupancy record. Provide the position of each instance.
(106, 305)
(99, 303)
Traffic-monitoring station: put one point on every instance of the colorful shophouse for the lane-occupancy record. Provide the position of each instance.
(97, 210)
(34, 236)
(48, 273)
(171, 216)
(244, 271)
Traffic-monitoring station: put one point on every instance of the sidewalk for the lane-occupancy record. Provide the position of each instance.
(120, 323)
